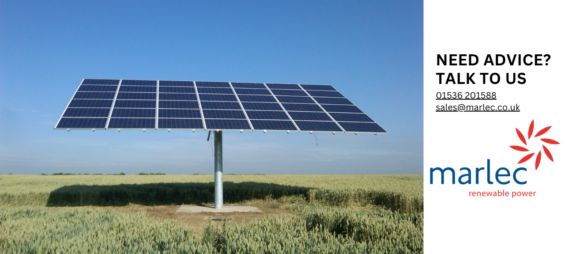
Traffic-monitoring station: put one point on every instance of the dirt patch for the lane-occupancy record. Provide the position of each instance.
(196, 221)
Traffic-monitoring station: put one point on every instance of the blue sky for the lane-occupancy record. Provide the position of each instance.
(371, 51)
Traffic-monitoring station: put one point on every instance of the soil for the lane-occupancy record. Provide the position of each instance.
(196, 221)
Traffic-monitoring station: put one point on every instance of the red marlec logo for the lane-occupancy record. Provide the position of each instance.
(524, 149)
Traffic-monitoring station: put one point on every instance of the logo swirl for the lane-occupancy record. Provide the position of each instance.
(544, 140)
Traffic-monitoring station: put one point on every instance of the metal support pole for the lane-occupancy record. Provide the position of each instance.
(218, 188)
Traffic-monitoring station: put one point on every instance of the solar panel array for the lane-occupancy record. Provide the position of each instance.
(146, 104)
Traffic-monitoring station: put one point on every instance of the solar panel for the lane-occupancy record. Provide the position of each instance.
(90, 88)
(261, 106)
(144, 104)
(144, 89)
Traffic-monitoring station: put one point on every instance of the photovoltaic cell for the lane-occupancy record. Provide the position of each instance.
(217, 97)
(178, 104)
(220, 105)
(126, 82)
(361, 127)
(302, 107)
(267, 115)
(257, 98)
(351, 117)
(176, 83)
(134, 104)
(309, 116)
(215, 90)
(295, 99)
(133, 112)
(283, 86)
(317, 126)
(322, 100)
(101, 82)
(227, 124)
(211, 84)
(132, 123)
(167, 89)
(179, 113)
(87, 112)
(225, 114)
(94, 95)
(325, 94)
(240, 91)
(137, 96)
(180, 123)
(90, 88)
(82, 122)
(342, 108)
(289, 92)
(247, 85)
(318, 87)
(144, 89)
(91, 103)
(261, 106)
(178, 96)
(273, 125)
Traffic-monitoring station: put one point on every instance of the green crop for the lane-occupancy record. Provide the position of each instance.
(330, 214)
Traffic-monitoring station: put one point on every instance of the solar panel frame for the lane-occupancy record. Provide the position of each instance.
(323, 109)
(241, 105)
(281, 105)
(158, 99)
(113, 104)
(137, 104)
(200, 105)
(69, 103)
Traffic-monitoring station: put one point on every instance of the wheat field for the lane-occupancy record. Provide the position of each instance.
(328, 214)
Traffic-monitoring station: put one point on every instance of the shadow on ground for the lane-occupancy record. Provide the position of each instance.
(167, 193)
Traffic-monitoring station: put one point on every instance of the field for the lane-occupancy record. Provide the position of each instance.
(135, 213)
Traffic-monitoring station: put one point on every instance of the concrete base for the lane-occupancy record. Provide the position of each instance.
(211, 209)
